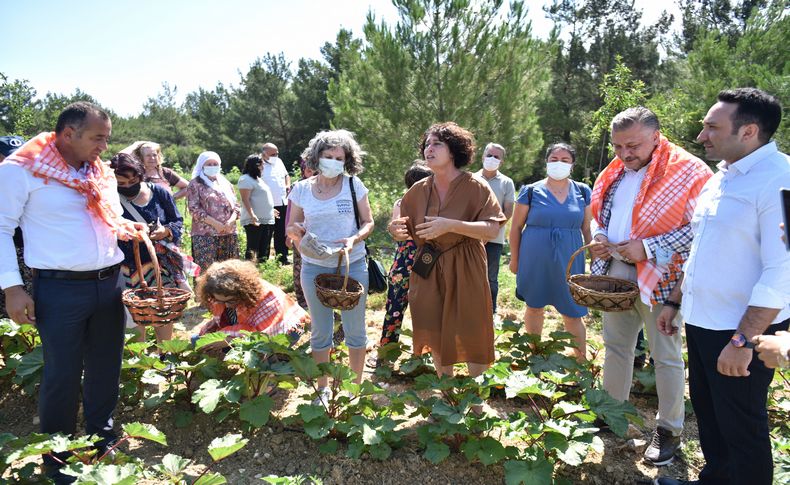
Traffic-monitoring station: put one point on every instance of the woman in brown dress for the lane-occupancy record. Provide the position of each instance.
(454, 212)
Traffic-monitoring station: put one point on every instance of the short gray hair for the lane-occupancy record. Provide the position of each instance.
(498, 147)
(632, 116)
(326, 140)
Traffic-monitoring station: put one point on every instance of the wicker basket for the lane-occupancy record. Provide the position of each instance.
(338, 291)
(604, 293)
(154, 306)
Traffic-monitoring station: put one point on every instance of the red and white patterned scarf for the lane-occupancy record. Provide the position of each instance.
(41, 157)
(665, 202)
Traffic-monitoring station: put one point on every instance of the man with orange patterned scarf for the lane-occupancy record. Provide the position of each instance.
(58, 190)
(642, 205)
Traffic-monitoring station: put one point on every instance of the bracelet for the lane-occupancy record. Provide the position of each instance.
(672, 304)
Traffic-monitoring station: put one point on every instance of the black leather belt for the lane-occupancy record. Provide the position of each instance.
(57, 274)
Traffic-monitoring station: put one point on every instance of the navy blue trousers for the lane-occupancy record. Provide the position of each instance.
(493, 254)
(731, 411)
(81, 323)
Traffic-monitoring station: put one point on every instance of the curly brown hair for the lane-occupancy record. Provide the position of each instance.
(460, 141)
(230, 278)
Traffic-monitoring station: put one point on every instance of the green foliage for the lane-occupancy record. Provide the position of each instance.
(443, 61)
(87, 466)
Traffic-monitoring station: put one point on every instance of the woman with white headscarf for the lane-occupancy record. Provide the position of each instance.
(215, 210)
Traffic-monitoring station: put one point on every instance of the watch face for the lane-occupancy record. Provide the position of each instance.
(738, 340)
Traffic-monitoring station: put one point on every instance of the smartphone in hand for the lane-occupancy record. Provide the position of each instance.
(785, 194)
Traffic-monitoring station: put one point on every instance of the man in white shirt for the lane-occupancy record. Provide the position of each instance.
(642, 205)
(56, 188)
(505, 191)
(736, 286)
(276, 177)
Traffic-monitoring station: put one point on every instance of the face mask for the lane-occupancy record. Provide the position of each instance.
(130, 191)
(558, 170)
(491, 163)
(211, 171)
(330, 168)
(272, 160)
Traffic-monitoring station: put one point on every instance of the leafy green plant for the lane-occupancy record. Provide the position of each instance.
(88, 466)
(255, 365)
(350, 414)
(21, 356)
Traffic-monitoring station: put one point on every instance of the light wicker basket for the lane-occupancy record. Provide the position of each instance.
(153, 306)
(604, 293)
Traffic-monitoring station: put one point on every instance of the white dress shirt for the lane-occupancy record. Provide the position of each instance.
(58, 230)
(274, 175)
(621, 220)
(737, 258)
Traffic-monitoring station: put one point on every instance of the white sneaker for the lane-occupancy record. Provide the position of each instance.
(323, 397)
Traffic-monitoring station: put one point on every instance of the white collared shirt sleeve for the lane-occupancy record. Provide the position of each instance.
(13, 186)
(772, 290)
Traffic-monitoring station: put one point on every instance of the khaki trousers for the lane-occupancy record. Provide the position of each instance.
(620, 330)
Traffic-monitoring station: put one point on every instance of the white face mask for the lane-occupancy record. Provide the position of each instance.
(491, 163)
(273, 159)
(211, 170)
(558, 170)
(330, 168)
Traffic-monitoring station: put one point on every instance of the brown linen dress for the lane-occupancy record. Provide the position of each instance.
(451, 309)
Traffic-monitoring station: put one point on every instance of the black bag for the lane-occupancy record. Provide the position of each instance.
(424, 260)
(377, 277)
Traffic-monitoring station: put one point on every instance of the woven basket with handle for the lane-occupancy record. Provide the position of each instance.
(153, 306)
(337, 291)
(605, 293)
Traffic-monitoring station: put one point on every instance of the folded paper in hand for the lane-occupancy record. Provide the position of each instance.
(313, 248)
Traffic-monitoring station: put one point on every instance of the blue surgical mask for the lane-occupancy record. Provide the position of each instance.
(211, 170)
(330, 168)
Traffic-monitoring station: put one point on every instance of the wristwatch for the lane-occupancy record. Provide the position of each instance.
(739, 340)
(784, 357)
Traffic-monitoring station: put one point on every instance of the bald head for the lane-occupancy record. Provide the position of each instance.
(269, 150)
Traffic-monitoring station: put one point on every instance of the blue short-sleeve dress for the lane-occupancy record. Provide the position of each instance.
(552, 233)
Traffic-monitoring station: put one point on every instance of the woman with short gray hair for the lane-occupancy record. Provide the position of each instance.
(323, 208)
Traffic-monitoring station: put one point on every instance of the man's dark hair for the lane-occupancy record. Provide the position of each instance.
(128, 166)
(754, 106)
(252, 166)
(76, 115)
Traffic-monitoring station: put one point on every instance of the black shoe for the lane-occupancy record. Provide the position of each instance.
(54, 473)
(662, 448)
(601, 425)
(673, 481)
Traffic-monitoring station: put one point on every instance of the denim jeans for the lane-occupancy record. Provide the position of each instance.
(322, 317)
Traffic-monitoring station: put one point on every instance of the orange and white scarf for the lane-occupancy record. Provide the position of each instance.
(41, 157)
(665, 202)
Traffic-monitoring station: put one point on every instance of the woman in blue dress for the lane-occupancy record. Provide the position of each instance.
(550, 218)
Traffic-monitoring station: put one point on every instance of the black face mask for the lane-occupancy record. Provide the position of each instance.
(130, 191)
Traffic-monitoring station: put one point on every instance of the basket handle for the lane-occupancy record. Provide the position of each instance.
(340, 260)
(152, 252)
(570, 261)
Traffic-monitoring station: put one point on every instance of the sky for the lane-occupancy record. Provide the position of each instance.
(121, 51)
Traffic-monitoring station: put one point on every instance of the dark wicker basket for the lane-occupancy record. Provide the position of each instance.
(340, 292)
(154, 306)
(605, 293)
